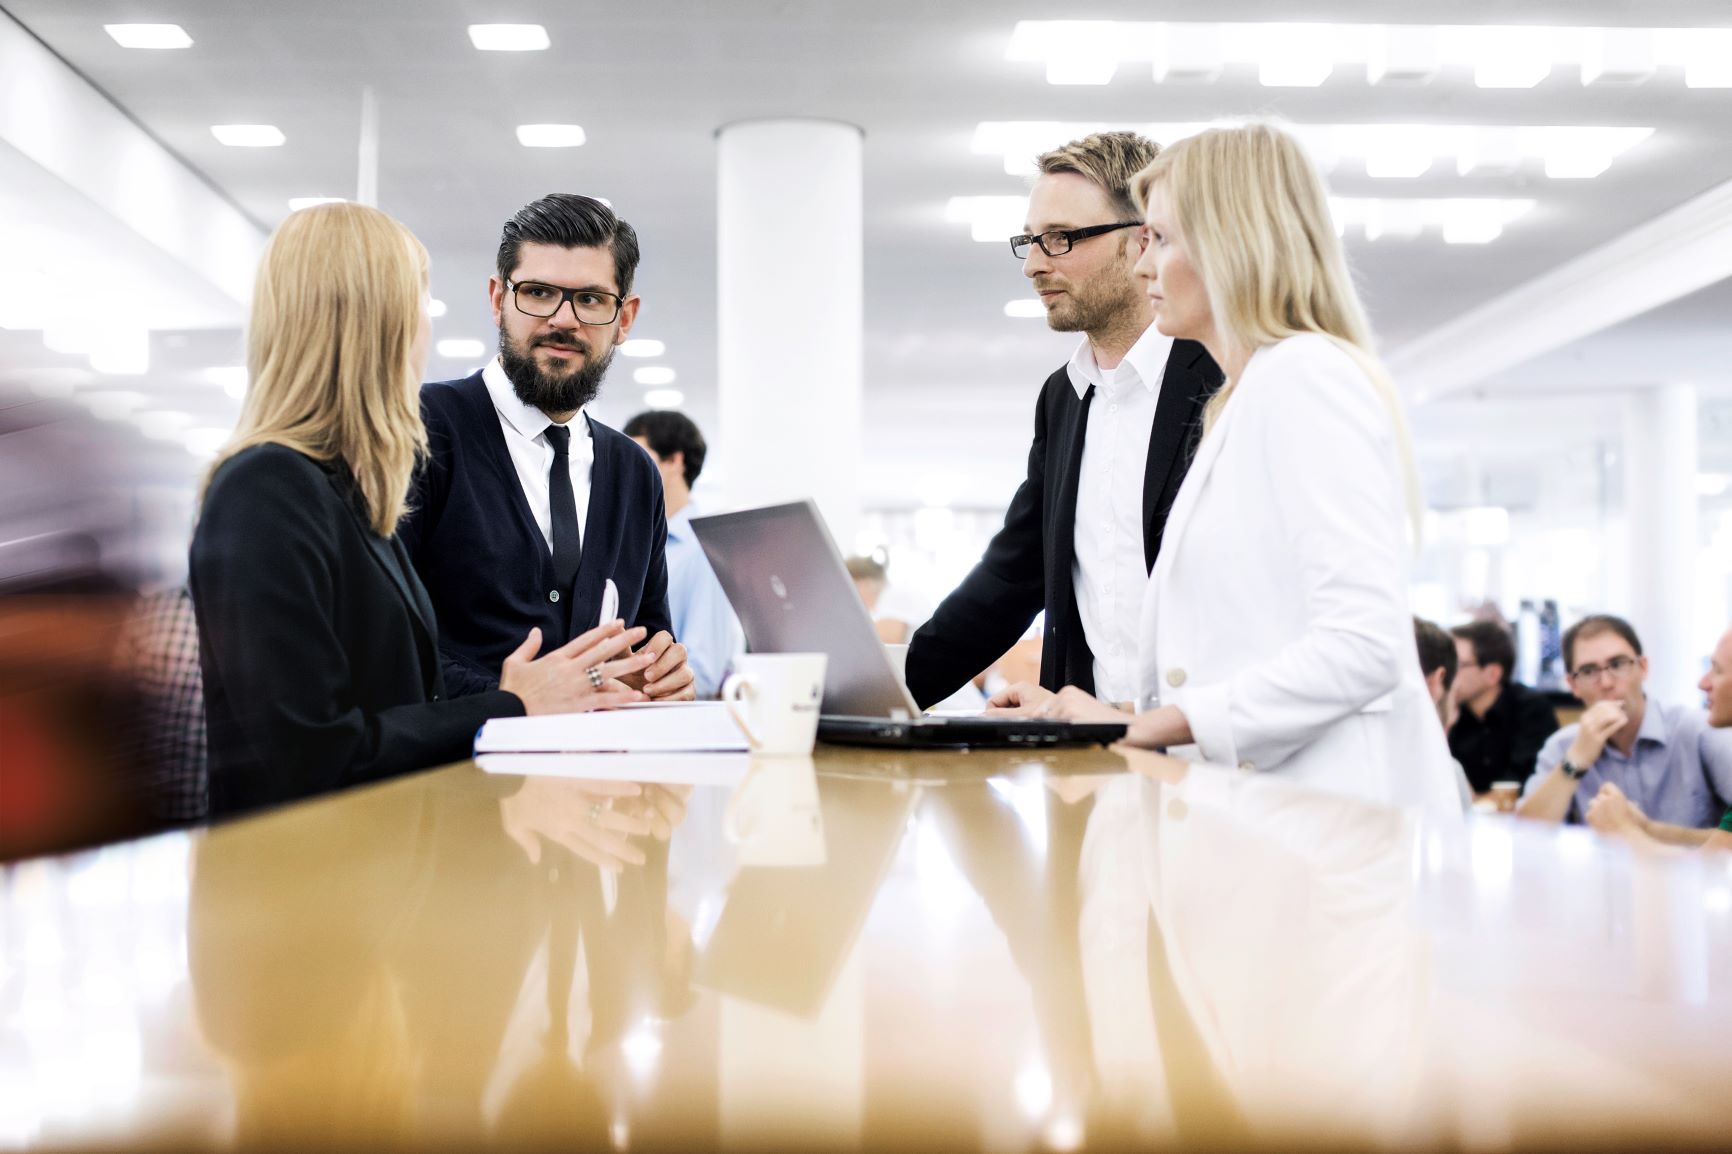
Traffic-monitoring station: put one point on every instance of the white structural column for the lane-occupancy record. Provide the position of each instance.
(1660, 455)
(789, 281)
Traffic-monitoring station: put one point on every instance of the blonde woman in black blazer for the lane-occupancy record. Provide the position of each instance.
(319, 647)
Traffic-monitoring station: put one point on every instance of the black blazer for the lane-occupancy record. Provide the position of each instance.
(483, 559)
(318, 645)
(1027, 566)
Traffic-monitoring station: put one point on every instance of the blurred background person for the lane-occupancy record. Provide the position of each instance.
(1437, 663)
(703, 620)
(1665, 759)
(1500, 724)
(318, 643)
(896, 612)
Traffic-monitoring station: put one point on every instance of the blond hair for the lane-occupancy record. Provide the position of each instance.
(336, 309)
(1254, 218)
(1109, 159)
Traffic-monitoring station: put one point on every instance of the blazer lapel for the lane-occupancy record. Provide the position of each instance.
(1061, 555)
(601, 531)
(1185, 386)
(486, 418)
(390, 557)
(1179, 519)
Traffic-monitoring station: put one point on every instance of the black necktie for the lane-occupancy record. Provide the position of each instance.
(567, 549)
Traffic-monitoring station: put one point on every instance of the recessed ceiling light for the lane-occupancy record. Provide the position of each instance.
(157, 36)
(664, 398)
(1296, 55)
(550, 135)
(297, 203)
(460, 348)
(653, 375)
(231, 379)
(989, 218)
(248, 135)
(1513, 57)
(435, 308)
(1024, 307)
(640, 347)
(508, 37)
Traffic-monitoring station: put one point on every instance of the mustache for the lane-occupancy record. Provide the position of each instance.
(571, 341)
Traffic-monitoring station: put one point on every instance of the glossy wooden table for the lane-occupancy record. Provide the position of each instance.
(981, 951)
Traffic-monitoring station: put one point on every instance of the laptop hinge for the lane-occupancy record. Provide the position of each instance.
(899, 715)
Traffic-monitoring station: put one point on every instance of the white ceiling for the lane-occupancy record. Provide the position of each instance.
(949, 378)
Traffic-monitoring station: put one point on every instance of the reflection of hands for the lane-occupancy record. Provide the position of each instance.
(663, 806)
(1071, 790)
(1614, 813)
(1597, 726)
(592, 819)
(1024, 699)
(668, 677)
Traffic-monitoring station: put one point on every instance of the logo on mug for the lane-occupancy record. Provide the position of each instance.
(777, 587)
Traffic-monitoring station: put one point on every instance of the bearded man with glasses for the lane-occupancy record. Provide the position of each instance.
(1114, 430)
(528, 512)
(1666, 760)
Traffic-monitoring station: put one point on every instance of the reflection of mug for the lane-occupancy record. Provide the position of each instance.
(773, 815)
(773, 698)
(1505, 794)
(898, 654)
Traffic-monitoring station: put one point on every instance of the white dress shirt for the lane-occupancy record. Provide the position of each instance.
(1108, 572)
(525, 429)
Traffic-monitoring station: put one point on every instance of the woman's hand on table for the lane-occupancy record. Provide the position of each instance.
(1019, 700)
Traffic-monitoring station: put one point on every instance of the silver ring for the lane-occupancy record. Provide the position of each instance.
(595, 677)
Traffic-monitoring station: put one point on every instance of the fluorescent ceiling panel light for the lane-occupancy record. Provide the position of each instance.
(231, 379)
(1296, 55)
(1402, 54)
(122, 352)
(460, 349)
(1024, 307)
(297, 203)
(436, 308)
(1712, 484)
(1617, 56)
(1580, 152)
(508, 37)
(1708, 58)
(664, 398)
(153, 36)
(654, 375)
(1086, 67)
(990, 219)
(642, 347)
(1188, 52)
(205, 442)
(1512, 57)
(1489, 149)
(248, 135)
(550, 135)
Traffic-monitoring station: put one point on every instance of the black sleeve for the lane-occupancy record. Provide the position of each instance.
(652, 611)
(1537, 722)
(985, 615)
(266, 570)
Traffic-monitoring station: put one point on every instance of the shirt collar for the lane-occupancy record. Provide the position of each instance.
(680, 524)
(1653, 727)
(526, 419)
(1147, 359)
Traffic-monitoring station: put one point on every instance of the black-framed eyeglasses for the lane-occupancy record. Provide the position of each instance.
(1058, 241)
(1616, 667)
(589, 306)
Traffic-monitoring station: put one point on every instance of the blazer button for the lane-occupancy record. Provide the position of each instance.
(1175, 677)
(553, 595)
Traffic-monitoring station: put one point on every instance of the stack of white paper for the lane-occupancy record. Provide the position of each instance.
(675, 727)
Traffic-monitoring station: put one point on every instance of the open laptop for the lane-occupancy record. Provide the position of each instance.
(781, 570)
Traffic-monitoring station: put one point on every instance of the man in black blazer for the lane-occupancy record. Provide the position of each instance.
(1114, 431)
(527, 507)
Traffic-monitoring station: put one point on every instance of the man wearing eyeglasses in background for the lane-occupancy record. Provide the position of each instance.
(1113, 434)
(1665, 759)
(527, 507)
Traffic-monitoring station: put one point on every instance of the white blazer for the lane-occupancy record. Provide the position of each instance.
(1277, 614)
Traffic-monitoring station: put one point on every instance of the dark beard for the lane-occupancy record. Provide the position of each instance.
(551, 393)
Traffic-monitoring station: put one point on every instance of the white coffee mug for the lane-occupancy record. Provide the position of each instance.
(774, 698)
(774, 815)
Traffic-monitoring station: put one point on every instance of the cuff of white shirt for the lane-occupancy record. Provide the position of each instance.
(1206, 709)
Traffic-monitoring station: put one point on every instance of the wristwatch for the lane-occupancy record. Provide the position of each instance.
(1574, 773)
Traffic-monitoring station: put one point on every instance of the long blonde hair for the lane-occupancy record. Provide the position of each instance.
(1253, 216)
(336, 308)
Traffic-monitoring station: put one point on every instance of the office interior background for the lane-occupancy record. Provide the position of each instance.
(1536, 198)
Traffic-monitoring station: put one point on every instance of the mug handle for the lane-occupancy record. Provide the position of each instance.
(740, 685)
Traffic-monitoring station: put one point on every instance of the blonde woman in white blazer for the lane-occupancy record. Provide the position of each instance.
(1276, 634)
